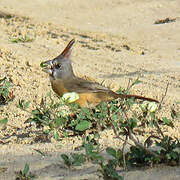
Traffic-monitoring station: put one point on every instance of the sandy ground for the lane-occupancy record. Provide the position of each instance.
(115, 40)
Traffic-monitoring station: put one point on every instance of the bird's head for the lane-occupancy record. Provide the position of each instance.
(60, 67)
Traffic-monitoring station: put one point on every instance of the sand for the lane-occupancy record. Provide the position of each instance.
(115, 41)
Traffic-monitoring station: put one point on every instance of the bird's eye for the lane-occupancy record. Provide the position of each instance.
(58, 66)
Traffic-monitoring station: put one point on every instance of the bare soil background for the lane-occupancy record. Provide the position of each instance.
(115, 40)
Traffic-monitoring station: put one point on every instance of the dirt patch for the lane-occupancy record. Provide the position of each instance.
(110, 57)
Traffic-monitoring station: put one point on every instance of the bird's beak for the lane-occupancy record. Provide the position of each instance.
(47, 67)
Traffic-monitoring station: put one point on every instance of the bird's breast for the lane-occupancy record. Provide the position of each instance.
(58, 87)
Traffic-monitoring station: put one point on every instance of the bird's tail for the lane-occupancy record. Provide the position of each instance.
(136, 97)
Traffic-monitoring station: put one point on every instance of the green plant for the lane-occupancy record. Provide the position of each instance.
(108, 171)
(125, 117)
(74, 159)
(92, 153)
(22, 39)
(91, 147)
(54, 119)
(82, 118)
(5, 94)
(25, 174)
(169, 149)
(3, 123)
(48, 116)
(117, 156)
(140, 154)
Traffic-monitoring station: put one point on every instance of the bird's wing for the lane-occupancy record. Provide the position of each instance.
(81, 85)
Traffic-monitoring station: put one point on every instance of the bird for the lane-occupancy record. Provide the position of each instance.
(63, 80)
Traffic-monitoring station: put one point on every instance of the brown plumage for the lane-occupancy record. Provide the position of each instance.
(90, 93)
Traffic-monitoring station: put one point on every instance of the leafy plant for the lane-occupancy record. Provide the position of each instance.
(91, 148)
(47, 116)
(117, 156)
(169, 149)
(5, 94)
(25, 174)
(74, 159)
(52, 117)
(4, 121)
(92, 153)
(22, 39)
(108, 171)
(118, 115)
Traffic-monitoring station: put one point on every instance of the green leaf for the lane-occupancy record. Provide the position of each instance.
(98, 157)
(43, 64)
(114, 117)
(26, 105)
(65, 134)
(35, 112)
(66, 159)
(88, 147)
(4, 121)
(26, 169)
(133, 123)
(20, 104)
(56, 135)
(1, 80)
(78, 159)
(119, 154)
(60, 121)
(40, 152)
(23, 105)
(83, 125)
(111, 151)
(151, 123)
(166, 121)
(138, 82)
